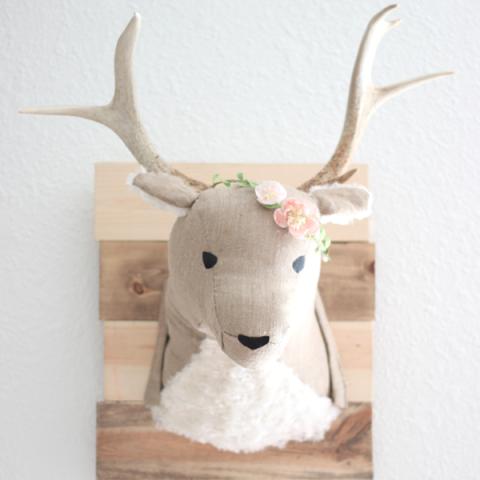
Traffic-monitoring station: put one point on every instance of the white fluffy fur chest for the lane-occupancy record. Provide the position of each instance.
(213, 400)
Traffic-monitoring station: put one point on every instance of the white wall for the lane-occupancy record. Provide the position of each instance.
(241, 81)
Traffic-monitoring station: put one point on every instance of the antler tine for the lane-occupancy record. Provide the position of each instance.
(121, 114)
(364, 97)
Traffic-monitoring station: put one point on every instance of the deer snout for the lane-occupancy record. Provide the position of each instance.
(253, 342)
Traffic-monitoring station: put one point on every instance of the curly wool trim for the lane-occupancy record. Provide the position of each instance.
(214, 400)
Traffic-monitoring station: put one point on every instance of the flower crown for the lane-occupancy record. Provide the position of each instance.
(300, 218)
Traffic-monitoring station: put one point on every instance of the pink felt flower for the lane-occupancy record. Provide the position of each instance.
(270, 192)
(300, 218)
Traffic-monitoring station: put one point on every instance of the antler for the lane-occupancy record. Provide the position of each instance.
(364, 98)
(121, 114)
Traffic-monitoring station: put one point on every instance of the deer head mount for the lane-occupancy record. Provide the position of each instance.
(234, 275)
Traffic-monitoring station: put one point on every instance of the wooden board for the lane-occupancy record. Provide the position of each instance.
(129, 448)
(133, 275)
(120, 214)
(133, 264)
(129, 349)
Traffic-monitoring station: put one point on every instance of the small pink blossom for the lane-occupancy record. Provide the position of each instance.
(300, 218)
(270, 192)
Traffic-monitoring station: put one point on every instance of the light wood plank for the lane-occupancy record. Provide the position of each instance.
(129, 348)
(121, 215)
(133, 275)
(129, 448)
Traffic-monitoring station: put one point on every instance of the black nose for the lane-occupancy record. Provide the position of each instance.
(253, 342)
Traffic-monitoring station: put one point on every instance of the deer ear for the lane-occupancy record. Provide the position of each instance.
(342, 204)
(164, 191)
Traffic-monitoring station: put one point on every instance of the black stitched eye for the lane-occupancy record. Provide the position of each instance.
(209, 259)
(299, 263)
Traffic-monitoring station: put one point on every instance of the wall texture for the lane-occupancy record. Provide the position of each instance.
(241, 81)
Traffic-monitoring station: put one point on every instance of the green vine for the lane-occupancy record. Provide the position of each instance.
(323, 243)
(321, 239)
(240, 181)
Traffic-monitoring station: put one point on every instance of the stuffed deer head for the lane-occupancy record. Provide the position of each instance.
(236, 273)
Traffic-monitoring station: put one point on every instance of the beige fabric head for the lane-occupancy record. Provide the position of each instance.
(252, 290)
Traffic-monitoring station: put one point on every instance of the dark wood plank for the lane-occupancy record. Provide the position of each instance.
(133, 275)
(129, 448)
(132, 279)
(347, 282)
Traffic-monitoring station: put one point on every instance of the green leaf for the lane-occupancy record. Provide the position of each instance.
(216, 178)
(240, 176)
(272, 207)
(227, 183)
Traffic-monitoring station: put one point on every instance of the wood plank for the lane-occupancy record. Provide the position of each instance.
(133, 275)
(132, 279)
(120, 214)
(129, 448)
(347, 282)
(129, 348)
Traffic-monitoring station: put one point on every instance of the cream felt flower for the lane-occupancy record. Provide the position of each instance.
(270, 193)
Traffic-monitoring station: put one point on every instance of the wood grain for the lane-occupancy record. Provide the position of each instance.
(129, 348)
(347, 282)
(129, 448)
(133, 275)
(132, 279)
(120, 214)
